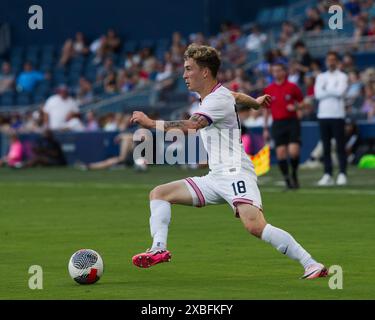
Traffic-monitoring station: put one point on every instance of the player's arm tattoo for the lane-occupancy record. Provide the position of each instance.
(195, 122)
(246, 100)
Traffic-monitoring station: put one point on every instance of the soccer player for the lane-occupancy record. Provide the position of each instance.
(286, 128)
(228, 181)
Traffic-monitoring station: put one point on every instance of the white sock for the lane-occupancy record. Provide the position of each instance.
(159, 222)
(286, 244)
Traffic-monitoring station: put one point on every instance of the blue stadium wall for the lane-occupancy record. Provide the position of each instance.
(136, 20)
(79, 146)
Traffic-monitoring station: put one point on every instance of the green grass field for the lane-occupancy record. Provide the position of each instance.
(47, 214)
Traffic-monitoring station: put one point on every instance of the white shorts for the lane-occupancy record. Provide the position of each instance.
(217, 189)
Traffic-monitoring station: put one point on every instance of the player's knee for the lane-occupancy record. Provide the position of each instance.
(255, 230)
(158, 193)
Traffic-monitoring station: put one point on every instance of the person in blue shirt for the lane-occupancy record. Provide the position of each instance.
(28, 79)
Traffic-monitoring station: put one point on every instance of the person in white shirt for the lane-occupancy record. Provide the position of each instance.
(58, 107)
(255, 40)
(231, 179)
(330, 89)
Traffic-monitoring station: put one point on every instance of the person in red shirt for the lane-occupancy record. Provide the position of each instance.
(286, 128)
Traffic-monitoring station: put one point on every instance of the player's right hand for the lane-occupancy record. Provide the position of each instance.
(141, 119)
(264, 101)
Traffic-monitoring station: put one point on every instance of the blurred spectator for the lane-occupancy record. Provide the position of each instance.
(263, 68)
(315, 68)
(355, 86)
(67, 52)
(197, 38)
(125, 82)
(105, 45)
(16, 121)
(347, 63)
(353, 7)
(294, 75)
(303, 57)
(110, 123)
(307, 111)
(91, 122)
(14, 157)
(368, 106)
(255, 119)
(29, 77)
(84, 91)
(368, 75)
(148, 62)
(104, 70)
(33, 122)
(7, 77)
(164, 82)
(112, 43)
(96, 48)
(314, 22)
(58, 107)
(177, 48)
(194, 102)
(110, 83)
(371, 27)
(73, 123)
(132, 60)
(255, 40)
(72, 48)
(79, 44)
(360, 31)
(165, 70)
(46, 152)
(287, 38)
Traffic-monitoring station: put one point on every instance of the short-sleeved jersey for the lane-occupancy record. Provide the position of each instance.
(222, 137)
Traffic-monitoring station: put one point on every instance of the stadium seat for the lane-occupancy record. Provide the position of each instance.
(17, 52)
(43, 87)
(278, 15)
(23, 99)
(7, 99)
(130, 46)
(147, 44)
(39, 98)
(264, 16)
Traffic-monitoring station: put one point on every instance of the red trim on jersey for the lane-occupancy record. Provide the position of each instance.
(238, 201)
(218, 85)
(208, 118)
(197, 191)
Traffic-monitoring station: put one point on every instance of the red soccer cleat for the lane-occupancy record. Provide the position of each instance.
(151, 257)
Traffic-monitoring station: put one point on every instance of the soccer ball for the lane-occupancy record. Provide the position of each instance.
(140, 164)
(86, 266)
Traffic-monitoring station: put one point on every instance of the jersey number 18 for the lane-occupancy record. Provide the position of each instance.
(239, 187)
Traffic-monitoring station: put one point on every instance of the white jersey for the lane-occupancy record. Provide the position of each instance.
(222, 138)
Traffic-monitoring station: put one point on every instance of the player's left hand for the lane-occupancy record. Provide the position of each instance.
(264, 101)
(141, 119)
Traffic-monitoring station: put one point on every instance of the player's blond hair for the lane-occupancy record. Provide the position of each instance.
(204, 56)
